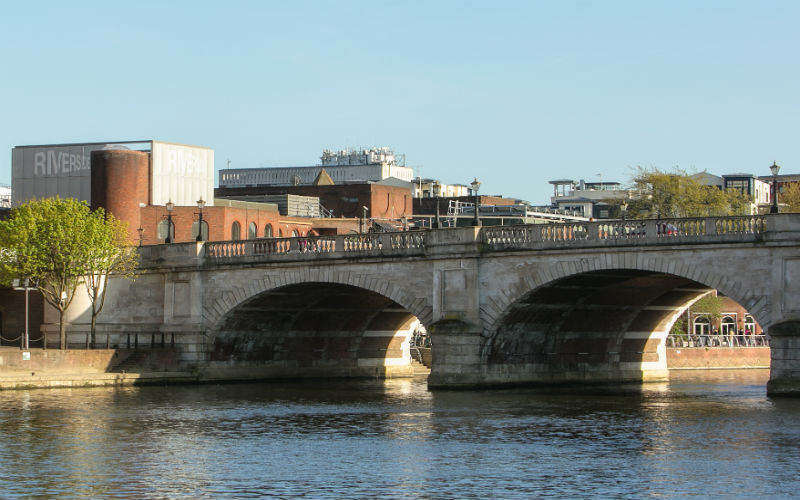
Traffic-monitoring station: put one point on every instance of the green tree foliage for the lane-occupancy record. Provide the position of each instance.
(709, 305)
(57, 243)
(677, 194)
(109, 254)
(679, 328)
(789, 198)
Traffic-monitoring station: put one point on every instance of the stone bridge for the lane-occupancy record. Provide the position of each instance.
(529, 304)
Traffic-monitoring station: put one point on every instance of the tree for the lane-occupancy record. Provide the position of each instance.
(56, 243)
(709, 305)
(677, 194)
(108, 254)
(790, 197)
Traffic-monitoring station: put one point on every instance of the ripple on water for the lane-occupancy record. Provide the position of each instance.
(711, 435)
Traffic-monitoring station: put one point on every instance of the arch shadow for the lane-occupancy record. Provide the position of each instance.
(313, 329)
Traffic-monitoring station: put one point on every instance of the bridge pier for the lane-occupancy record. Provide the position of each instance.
(456, 356)
(784, 377)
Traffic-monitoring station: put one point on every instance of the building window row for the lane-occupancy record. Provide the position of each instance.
(236, 231)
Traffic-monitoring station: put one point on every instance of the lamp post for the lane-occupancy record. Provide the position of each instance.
(475, 185)
(170, 207)
(774, 168)
(200, 204)
(624, 209)
(141, 235)
(362, 226)
(24, 285)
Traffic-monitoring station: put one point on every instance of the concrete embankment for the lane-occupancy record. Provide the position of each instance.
(57, 380)
(40, 368)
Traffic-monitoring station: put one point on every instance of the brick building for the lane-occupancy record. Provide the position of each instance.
(384, 200)
(137, 185)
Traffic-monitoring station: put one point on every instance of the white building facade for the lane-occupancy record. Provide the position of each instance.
(343, 167)
(179, 173)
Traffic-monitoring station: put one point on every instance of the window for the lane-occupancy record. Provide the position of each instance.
(741, 185)
(294, 233)
(162, 230)
(750, 324)
(727, 326)
(702, 325)
(236, 231)
(252, 231)
(205, 231)
(268, 231)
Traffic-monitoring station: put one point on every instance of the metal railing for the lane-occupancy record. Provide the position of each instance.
(19, 341)
(102, 341)
(688, 341)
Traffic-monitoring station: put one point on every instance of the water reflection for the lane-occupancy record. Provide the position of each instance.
(701, 434)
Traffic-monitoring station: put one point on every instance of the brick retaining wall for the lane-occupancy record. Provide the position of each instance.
(687, 358)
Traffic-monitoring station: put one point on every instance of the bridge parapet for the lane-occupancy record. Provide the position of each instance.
(632, 232)
(782, 227)
(341, 246)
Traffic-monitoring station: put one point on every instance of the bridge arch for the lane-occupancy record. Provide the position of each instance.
(595, 320)
(308, 324)
(239, 291)
(533, 277)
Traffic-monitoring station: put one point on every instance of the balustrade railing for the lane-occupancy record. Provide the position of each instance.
(361, 242)
(408, 240)
(529, 236)
(643, 230)
(349, 243)
(740, 225)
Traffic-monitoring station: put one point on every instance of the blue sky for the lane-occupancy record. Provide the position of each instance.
(513, 93)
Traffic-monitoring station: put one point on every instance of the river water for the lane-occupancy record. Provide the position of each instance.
(702, 435)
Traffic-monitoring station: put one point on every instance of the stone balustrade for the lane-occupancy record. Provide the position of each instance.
(311, 246)
(488, 238)
(531, 236)
(632, 232)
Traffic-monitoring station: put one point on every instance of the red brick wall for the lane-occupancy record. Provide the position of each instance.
(120, 181)
(220, 223)
(388, 202)
(718, 357)
(727, 306)
(345, 200)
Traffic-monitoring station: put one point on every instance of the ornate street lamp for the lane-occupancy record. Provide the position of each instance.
(170, 207)
(774, 168)
(200, 204)
(141, 235)
(475, 185)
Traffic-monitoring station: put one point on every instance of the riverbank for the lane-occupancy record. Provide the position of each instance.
(47, 369)
(34, 380)
(52, 368)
